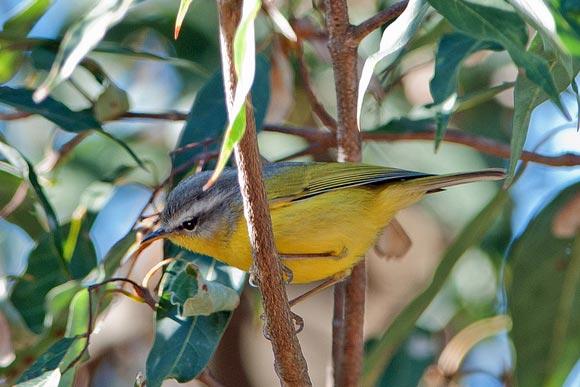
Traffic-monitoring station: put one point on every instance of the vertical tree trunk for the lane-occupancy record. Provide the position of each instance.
(349, 296)
(289, 361)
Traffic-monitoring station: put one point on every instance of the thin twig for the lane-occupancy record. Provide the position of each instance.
(194, 145)
(483, 144)
(306, 30)
(289, 361)
(54, 158)
(348, 335)
(16, 200)
(14, 116)
(207, 378)
(317, 106)
(321, 141)
(169, 116)
(384, 17)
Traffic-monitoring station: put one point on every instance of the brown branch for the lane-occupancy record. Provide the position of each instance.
(323, 140)
(482, 144)
(169, 116)
(349, 296)
(306, 30)
(317, 106)
(384, 17)
(54, 158)
(289, 361)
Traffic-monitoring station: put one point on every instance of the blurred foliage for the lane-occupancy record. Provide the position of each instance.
(543, 294)
(74, 204)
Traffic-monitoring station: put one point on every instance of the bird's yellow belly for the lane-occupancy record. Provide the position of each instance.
(344, 223)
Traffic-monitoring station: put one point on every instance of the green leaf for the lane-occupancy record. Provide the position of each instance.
(79, 249)
(19, 25)
(537, 14)
(27, 172)
(118, 50)
(60, 114)
(453, 49)
(476, 98)
(58, 301)
(577, 94)
(45, 58)
(411, 360)
(45, 271)
(184, 345)
(112, 103)
(233, 135)
(207, 118)
(46, 370)
(112, 260)
(494, 20)
(545, 296)
(527, 96)
(393, 42)
(442, 115)
(244, 52)
(382, 353)
(403, 125)
(567, 16)
(50, 109)
(80, 38)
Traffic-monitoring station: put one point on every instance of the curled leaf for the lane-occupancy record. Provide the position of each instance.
(79, 40)
(245, 66)
(183, 7)
(280, 21)
(111, 104)
(393, 41)
(211, 297)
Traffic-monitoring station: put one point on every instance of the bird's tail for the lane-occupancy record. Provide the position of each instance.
(439, 182)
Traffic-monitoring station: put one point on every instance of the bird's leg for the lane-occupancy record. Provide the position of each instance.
(327, 254)
(320, 287)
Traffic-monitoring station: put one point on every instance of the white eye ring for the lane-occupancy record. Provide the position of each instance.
(189, 224)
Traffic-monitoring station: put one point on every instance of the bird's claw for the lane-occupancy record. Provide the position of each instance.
(254, 279)
(298, 322)
(287, 274)
(265, 330)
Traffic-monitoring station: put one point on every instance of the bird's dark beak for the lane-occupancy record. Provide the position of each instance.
(154, 235)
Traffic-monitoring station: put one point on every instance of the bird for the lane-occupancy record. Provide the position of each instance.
(325, 215)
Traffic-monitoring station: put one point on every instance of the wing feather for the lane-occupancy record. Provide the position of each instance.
(296, 181)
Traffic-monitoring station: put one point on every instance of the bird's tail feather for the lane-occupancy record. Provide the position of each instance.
(438, 182)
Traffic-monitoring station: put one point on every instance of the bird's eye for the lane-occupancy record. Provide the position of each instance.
(189, 224)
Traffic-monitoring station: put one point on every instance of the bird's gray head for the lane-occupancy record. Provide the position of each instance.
(191, 210)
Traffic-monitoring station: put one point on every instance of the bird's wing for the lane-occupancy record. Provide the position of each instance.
(296, 181)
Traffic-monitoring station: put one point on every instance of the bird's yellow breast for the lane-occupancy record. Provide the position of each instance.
(344, 223)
